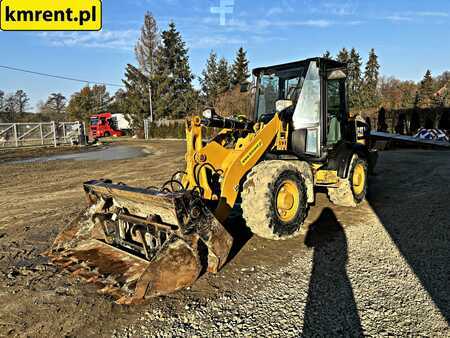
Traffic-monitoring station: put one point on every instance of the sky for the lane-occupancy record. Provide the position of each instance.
(409, 36)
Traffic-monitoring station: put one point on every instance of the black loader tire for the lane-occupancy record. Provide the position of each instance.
(347, 195)
(260, 195)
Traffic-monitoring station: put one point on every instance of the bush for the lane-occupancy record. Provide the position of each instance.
(176, 130)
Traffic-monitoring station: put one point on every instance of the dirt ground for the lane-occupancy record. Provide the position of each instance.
(384, 266)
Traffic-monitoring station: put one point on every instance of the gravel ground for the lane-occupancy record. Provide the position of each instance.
(382, 269)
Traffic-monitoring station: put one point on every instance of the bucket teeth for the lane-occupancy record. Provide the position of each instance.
(134, 243)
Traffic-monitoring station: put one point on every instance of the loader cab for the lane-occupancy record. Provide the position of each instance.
(311, 96)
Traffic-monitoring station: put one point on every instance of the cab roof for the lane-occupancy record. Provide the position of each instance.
(329, 63)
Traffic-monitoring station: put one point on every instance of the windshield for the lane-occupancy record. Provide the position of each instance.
(94, 121)
(279, 85)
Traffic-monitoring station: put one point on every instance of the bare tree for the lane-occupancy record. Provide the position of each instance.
(10, 107)
(147, 44)
(57, 102)
(21, 101)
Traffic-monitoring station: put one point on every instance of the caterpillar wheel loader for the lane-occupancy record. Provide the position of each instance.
(134, 243)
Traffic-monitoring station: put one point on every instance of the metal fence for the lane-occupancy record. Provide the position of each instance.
(40, 134)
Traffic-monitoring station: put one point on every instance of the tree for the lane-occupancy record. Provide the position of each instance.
(146, 50)
(354, 80)
(2, 100)
(240, 72)
(54, 108)
(371, 76)
(176, 96)
(208, 80)
(56, 103)
(136, 97)
(425, 94)
(22, 100)
(101, 98)
(87, 102)
(233, 103)
(147, 45)
(343, 56)
(10, 107)
(118, 103)
(223, 78)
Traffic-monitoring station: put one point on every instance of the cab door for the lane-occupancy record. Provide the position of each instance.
(306, 118)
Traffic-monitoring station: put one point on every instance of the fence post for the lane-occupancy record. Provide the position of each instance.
(54, 133)
(64, 131)
(15, 134)
(42, 133)
(84, 129)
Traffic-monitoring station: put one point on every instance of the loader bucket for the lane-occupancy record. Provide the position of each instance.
(135, 243)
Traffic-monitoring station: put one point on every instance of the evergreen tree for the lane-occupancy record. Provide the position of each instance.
(240, 72)
(425, 95)
(371, 76)
(223, 78)
(208, 80)
(137, 98)
(175, 93)
(119, 104)
(354, 80)
(343, 56)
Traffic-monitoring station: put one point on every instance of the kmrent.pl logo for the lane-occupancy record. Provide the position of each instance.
(50, 15)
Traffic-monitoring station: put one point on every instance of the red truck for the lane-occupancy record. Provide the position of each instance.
(104, 125)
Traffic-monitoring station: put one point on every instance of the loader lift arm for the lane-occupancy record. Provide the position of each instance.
(232, 163)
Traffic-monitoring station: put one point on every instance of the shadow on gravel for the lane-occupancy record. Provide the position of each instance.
(410, 195)
(330, 309)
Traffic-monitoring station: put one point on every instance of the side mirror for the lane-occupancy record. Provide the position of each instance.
(245, 87)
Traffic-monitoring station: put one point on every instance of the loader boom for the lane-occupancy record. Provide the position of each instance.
(233, 163)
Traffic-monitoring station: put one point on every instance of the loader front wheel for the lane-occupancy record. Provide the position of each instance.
(274, 200)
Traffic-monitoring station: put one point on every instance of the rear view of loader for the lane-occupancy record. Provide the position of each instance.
(134, 243)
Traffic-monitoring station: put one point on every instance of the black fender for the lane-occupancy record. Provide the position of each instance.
(344, 154)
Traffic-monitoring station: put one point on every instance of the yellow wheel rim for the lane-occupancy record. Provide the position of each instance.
(287, 201)
(359, 179)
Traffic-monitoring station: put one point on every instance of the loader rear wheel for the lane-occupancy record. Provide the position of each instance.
(274, 200)
(352, 190)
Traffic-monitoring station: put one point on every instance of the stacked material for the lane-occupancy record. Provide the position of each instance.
(432, 134)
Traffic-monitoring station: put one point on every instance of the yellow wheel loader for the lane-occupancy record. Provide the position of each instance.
(135, 243)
